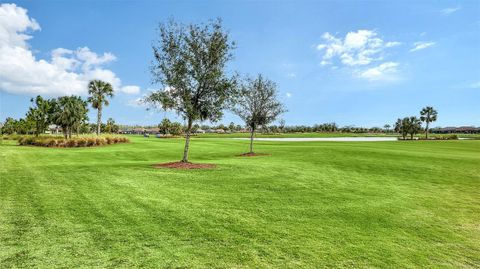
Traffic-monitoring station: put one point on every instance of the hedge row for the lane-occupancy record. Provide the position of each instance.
(70, 143)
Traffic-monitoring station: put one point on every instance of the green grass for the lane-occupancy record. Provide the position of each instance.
(308, 205)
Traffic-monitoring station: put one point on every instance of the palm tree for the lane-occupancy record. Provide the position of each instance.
(99, 91)
(428, 114)
(387, 127)
(70, 112)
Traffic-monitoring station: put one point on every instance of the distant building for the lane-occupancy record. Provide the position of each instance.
(453, 130)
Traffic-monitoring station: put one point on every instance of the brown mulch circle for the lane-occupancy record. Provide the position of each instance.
(182, 165)
(250, 154)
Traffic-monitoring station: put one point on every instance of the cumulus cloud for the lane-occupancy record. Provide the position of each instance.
(421, 45)
(449, 10)
(355, 49)
(66, 72)
(382, 72)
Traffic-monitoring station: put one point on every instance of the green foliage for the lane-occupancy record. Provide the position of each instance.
(176, 129)
(41, 113)
(257, 104)
(164, 126)
(99, 91)
(190, 63)
(110, 127)
(9, 126)
(428, 115)
(408, 126)
(172, 128)
(70, 112)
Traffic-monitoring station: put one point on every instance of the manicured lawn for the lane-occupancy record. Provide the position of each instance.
(308, 205)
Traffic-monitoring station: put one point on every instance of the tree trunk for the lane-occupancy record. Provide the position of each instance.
(411, 136)
(65, 132)
(251, 139)
(187, 142)
(426, 131)
(99, 119)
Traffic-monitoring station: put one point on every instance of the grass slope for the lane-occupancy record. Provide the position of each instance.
(309, 204)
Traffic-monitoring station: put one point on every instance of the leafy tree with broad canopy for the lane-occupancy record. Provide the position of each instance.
(190, 63)
(256, 104)
(99, 92)
(428, 115)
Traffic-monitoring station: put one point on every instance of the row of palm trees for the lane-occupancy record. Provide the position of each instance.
(413, 125)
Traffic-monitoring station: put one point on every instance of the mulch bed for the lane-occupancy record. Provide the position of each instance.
(182, 165)
(252, 154)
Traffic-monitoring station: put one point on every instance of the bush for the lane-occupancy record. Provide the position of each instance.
(56, 141)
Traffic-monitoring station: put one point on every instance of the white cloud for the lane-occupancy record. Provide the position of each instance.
(383, 72)
(66, 72)
(288, 95)
(421, 45)
(130, 89)
(291, 75)
(356, 48)
(392, 44)
(450, 10)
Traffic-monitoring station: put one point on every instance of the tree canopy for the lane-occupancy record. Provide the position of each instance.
(256, 103)
(190, 63)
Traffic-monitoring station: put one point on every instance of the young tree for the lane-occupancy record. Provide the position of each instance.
(428, 115)
(257, 104)
(99, 91)
(190, 62)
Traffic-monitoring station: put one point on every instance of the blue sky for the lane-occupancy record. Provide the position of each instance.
(351, 62)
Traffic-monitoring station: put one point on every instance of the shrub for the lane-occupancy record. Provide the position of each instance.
(58, 141)
(71, 143)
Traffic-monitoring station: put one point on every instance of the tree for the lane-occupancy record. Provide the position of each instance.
(175, 129)
(164, 126)
(10, 126)
(387, 127)
(401, 127)
(41, 114)
(256, 104)
(99, 91)
(231, 127)
(190, 62)
(428, 115)
(281, 125)
(111, 127)
(408, 125)
(70, 112)
(414, 126)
